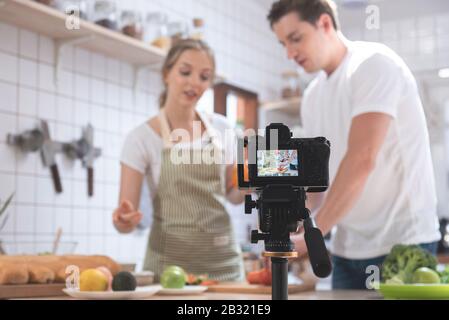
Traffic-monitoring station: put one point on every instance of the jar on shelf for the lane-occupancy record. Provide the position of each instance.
(156, 30)
(290, 85)
(72, 7)
(131, 24)
(198, 29)
(105, 14)
(178, 30)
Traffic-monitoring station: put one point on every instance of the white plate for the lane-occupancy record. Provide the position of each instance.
(184, 291)
(139, 293)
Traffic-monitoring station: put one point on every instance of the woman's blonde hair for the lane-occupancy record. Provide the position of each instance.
(173, 55)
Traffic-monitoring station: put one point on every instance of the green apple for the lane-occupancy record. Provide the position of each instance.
(173, 277)
(425, 275)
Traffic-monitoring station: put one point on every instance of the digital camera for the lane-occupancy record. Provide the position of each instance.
(278, 158)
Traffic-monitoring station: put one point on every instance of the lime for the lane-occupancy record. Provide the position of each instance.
(425, 275)
(173, 277)
(173, 268)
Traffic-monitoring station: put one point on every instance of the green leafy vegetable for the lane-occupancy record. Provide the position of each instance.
(403, 260)
(444, 275)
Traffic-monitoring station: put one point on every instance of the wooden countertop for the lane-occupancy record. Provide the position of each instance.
(310, 295)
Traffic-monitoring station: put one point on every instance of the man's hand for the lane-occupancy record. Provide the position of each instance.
(300, 244)
(126, 217)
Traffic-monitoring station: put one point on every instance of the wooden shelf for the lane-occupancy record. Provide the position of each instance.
(45, 20)
(290, 106)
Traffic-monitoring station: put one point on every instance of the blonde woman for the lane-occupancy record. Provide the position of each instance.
(191, 227)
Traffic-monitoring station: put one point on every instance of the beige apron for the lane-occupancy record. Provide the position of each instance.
(191, 227)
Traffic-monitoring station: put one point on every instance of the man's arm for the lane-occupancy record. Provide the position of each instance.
(314, 200)
(366, 137)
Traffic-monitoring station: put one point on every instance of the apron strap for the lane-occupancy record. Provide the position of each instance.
(212, 133)
(165, 129)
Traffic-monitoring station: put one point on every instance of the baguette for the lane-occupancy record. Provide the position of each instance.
(40, 274)
(13, 273)
(48, 268)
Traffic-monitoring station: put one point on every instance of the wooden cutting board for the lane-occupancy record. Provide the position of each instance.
(32, 290)
(244, 287)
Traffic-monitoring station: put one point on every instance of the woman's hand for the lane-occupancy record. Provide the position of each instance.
(126, 217)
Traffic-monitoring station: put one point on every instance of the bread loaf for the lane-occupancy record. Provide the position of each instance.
(48, 268)
(40, 274)
(13, 273)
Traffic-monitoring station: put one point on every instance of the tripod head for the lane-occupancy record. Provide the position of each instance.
(281, 209)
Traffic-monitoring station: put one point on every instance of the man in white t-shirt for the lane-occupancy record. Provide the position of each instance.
(366, 102)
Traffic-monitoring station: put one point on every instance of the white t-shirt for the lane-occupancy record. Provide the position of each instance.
(142, 150)
(398, 203)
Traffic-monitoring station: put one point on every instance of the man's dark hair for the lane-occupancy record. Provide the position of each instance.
(307, 10)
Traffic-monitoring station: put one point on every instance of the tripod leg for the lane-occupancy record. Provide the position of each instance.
(279, 283)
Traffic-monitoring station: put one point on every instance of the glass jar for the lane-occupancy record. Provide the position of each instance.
(105, 14)
(156, 30)
(72, 7)
(177, 30)
(198, 29)
(131, 24)
(291, 86)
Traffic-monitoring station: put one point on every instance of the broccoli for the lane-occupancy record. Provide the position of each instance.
(444, 275)
(403, 260)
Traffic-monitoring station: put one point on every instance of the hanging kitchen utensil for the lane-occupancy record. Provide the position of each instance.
(4, 219)
(49, 150)
(39, 139)
(84, 150)
(28, 141)
(56, 241)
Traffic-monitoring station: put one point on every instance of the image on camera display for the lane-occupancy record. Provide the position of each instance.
(277, 163)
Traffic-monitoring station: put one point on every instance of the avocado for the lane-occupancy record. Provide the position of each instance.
(124, 281)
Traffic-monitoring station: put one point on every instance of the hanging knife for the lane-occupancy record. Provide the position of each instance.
(48, 154)
(90, 156)
(84, 150)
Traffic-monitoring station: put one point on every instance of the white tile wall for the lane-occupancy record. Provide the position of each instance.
(27, 72)
(9, 38)
(8, 92)
(9, 125)
(419, 40)
(27, 101)
(98, 89)
(28, 44)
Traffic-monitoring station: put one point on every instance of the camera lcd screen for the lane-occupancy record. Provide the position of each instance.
(277, 163)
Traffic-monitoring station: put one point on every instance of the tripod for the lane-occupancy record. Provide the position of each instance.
(279, 270)
(281, 208)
